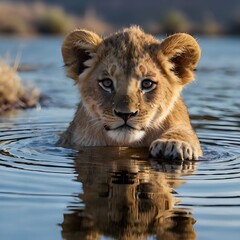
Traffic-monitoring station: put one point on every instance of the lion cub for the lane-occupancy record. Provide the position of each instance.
(130, 85)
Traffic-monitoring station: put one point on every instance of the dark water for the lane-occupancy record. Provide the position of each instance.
(47, 192)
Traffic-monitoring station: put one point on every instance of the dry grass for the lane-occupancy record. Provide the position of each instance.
(12, 94)
(39, 18)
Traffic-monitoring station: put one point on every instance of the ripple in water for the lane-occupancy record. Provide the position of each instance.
(118, 192)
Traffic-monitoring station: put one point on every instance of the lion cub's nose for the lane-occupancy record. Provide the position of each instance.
(125, 116)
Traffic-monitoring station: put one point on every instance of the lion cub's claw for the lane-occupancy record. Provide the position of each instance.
(173, 149)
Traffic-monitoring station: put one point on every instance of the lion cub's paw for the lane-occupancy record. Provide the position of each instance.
(173, 149)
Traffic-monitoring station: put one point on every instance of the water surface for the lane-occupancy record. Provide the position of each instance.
(48, 192)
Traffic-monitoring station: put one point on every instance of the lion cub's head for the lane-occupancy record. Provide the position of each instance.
(129, 81)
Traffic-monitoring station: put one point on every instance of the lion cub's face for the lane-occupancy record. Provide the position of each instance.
(129, 81)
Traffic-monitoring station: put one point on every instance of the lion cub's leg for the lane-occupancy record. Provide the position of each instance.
(177, 143)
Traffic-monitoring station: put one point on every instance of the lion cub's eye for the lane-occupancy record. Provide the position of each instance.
(147, 85)
(106, 84)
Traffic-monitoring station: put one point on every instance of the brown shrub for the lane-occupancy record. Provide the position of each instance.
(12, 94)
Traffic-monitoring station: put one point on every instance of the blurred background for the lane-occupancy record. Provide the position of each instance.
(205, 17)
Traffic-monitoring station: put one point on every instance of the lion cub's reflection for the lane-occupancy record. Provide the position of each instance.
(125, 198)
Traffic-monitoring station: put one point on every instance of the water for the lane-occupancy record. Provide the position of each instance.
(48, 192)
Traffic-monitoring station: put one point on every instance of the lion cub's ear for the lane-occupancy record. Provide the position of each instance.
(77, 48)
(183, 52)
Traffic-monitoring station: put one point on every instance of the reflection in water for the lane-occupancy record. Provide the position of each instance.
(127, 196)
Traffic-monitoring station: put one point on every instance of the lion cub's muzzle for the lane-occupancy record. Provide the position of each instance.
(125, 111)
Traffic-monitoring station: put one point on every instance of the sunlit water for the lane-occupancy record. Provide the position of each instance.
(48, 192)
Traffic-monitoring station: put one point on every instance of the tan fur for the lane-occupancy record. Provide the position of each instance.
(159, 116)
